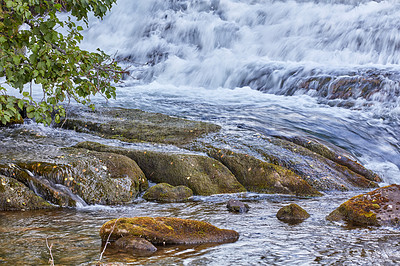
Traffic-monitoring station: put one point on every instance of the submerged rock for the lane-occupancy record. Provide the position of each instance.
(237, 206)
(133, 244)
(81, 176)
(164, 192)
(203, 175)
(15, 196)
(132, 125)
(259, 176)
(292, 214)
(166, 231)
(380, 207)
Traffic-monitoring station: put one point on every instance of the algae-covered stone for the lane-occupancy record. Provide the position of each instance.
(292, 213)
(166, 230)
(133, 125)
(203, 175)
(15, 196)
(82, 176)
(164, 192)
(380, 207)
(259, 176)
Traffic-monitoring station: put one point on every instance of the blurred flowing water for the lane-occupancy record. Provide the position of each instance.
(254, 67)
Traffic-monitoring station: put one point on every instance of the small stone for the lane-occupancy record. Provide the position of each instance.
(292, 214)
(237, 206)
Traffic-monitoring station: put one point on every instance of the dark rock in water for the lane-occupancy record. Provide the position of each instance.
(15, 196)
(203, 175)
(81, 176)
(134, 244)
(166, 231)
(237, 206)
(133, 125)
(292, 213)
(164, 192)
(380, 207)
(262, 177)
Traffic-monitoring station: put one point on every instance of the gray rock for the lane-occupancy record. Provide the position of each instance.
(237, 206)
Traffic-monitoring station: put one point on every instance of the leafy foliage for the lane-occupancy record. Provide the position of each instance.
(33, 50)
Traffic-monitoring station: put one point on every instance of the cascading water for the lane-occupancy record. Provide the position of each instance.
(322, 68)
(338, 60)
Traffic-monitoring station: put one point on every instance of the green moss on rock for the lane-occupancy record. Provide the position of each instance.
(164, 192)
(166, 230)
(378, 207)
(133, 125)
(292, 213)
(259, 176)
(203, 175)
(15, 196)
(96, 177)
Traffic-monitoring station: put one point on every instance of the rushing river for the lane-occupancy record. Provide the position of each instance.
(240, 64)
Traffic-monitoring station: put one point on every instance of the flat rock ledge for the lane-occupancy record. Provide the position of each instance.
(380, 207)
(166, 231)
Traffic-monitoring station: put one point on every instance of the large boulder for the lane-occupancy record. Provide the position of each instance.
(132, 125)
(164, 192)
(323, 166)
(259, 176)
(80, 176)
(203, 175)
(15, 196)
(166, 230)
(292, 214)
(380, 207)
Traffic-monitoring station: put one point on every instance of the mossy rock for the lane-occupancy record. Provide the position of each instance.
(79, 174)
(323, 168)
(262, 177)
(164, 192)
(15, 196)
(203, 175)
(132, 125)
(166, 231)
(335, 155)
(292, 214)
(380, 207)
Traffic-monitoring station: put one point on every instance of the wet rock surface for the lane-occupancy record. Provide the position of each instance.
(164, 192)
(203, 175)
(93, 173)
(259, 176)
(292, 214)
(166, 231)
(81, 176)
(132, 125)
(380, 207)
(15, 196)
(237, 206)
(133, 244)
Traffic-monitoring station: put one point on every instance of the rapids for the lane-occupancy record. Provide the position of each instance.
(240, 64)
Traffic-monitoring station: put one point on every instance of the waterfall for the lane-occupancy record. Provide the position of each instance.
(314, 47)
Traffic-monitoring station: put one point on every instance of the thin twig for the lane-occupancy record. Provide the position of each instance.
(108, 239)
(51, 260)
